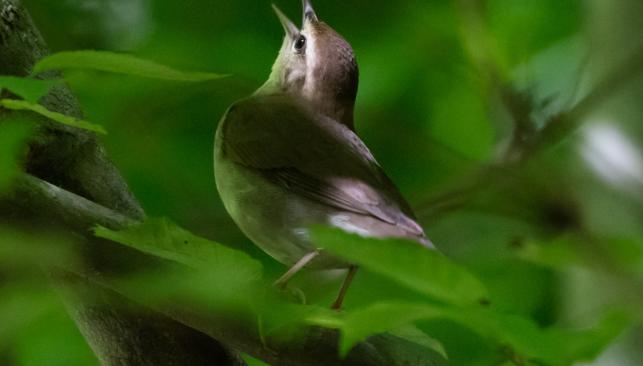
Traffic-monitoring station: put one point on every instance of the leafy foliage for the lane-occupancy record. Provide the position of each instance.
(554, 346)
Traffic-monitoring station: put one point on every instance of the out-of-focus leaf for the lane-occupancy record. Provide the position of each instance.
(13, 135)
(626, 253)
(25, 253)
(251, 361)
(555, 346)
(458, 111)
(22, 105)
(29, 89)
(406, 262)
(21, 304)
(216, 288)
(564, 253)
(25, 259)
(52, 339)
(415, 335)
(381, 317)
(587, 344)
(118, 63)
(164, 239)
(554, 78)
(520, 29)
(277, 315)
(557, 254)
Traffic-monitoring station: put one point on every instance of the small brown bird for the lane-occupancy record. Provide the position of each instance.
(288, 157)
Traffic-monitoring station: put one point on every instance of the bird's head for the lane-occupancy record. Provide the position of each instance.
(318, 65)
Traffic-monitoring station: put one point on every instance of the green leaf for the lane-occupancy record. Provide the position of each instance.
(164, 239)
(625, 254)
(558, 254)
(13, 136)
(21, 105)
(20, 305)
(587, 344)
(118, 63)
(251, 361)
(406, 262)
(23, 253)
(29, 89)
(414, 334)
(555, 346)
(51, 339)
(209, 274)
(381, 317)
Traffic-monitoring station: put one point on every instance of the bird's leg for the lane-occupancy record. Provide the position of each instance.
(342, 292)
(283, 280)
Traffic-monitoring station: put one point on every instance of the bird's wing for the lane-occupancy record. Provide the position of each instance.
(315, 157)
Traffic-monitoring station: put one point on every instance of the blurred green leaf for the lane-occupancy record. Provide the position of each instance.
(414, 334)
(29, 89)
(395, 318)
(251, 361)
(587, 344)
(381, 317)
(406, 262)
(623, 255)
(279, 317)
(13, 135)
(523, 28)
(118, 63)
(21, 304)
(164, 239)
(627, 253)
(26, 260)
(554, 78)
(27, 253)
(219, 288)
(458, 111)
(555, 346)
(21, 105)
(557, 254)
(52, 339)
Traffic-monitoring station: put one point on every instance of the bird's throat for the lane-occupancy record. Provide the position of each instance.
(326, 104)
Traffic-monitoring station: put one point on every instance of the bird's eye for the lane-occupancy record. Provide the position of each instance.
(300, 43)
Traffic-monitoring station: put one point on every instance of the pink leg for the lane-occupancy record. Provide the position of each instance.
(342, 292)
(283, 280)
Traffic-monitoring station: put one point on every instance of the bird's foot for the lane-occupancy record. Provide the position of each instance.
(293, 294)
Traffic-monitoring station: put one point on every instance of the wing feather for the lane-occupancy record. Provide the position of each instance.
(317, 158)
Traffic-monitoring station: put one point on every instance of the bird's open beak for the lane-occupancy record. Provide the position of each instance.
(309, 12)
(291, 29)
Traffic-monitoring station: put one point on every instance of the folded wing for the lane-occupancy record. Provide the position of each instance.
(314, 157)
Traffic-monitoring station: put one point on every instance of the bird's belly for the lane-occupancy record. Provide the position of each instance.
(273, 218)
